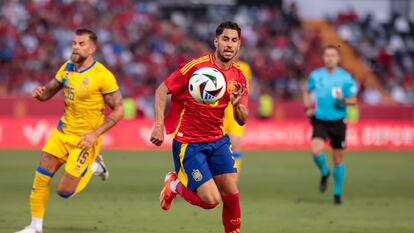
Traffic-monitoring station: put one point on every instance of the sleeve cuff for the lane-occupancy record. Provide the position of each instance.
(108, 93)
(57, 80)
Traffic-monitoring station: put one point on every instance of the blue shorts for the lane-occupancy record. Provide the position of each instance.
(197, 163)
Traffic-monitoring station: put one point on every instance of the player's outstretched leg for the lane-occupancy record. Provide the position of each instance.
(338, 174)
(40, 192)
(320, 161)
(173, 186)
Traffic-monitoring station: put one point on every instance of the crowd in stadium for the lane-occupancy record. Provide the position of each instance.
(142, 42)
(388, 48)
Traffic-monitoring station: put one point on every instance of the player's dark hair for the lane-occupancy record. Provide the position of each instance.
(84, 31)
(227, 25)
(331, 46)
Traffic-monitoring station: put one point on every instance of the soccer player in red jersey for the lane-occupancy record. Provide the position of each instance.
(204, 165)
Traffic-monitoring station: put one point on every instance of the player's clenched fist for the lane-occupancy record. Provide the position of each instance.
(157, 135)
(38, 92)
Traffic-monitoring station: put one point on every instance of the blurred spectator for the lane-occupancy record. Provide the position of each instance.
(371, 95)
(265, 105)
(352, 114)
(130, 109)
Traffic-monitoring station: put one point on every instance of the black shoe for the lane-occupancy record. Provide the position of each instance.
(337, 200)
(324, 183)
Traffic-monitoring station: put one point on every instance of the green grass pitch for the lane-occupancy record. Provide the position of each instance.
(278, 194)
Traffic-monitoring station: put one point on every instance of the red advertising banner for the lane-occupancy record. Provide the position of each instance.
(31, 133)
(26, 106)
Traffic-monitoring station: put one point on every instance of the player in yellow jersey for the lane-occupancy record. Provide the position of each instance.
(231, 127)
(76, 141)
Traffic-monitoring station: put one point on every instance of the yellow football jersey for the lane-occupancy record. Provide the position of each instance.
(84, 92)
(246, 69)
(230, 125)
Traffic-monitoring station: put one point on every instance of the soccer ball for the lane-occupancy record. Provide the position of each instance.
(207, 85)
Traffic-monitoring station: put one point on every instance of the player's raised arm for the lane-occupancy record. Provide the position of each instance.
(240, 111)
(46, 92)
(157, 135)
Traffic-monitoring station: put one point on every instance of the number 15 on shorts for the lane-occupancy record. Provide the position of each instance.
(82, 157)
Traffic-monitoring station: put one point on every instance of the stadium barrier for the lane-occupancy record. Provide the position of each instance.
(31, 133)
(14, 106)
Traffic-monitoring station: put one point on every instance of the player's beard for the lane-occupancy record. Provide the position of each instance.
(223, 58)
(77, 58)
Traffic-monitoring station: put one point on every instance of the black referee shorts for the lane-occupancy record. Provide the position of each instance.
(335, 131)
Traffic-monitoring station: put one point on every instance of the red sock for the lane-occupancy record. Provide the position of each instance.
(193, 198)
(231, 213)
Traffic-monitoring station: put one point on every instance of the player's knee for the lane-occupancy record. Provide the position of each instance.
(316, 150)
(65, 192)
(229, 189)
(214, 199)
(338, 160)
(208, 206)
(229, 192)
(210, 201)
(338, 157)
(317, 146)
(49, 162)
(210, 198)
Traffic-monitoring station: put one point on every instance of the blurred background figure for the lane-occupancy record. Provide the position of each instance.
(334, 90)
(265, 104)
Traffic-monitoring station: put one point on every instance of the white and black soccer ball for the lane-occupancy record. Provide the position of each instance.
(207, 85)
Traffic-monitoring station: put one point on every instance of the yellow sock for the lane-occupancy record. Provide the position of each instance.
(237, 161)
(40, 192)
(84, 181)
(237, 164)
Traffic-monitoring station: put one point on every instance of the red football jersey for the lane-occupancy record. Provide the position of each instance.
(193, 122)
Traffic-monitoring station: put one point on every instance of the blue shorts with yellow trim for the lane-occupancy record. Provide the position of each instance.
(197, 163)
